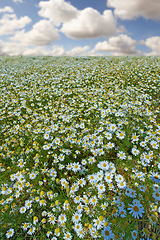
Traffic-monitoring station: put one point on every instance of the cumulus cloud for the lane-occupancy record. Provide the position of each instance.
(9, 23)
(58, 11)
(6, 9)
(154, 44)
(76, 51)
(118, 46)
(89, 23)
(42, 33)
(78, 24)
(11, 48)
(21, 1)
(131, 9)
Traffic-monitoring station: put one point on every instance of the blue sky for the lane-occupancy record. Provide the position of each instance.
(86, 27)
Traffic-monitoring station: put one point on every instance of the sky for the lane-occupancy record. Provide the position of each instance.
(80, 27)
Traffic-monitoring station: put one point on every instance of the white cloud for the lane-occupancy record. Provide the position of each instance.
(154, 44)
(6, 9)
(57, 51)
(9, 23)
(58, 11)
(119, 45)
(131, 9)
(78, 24)
(76, 51)
(89, 23)
(21, 1)
(11, 48)
(42, 33)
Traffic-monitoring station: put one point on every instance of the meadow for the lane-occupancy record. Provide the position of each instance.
(79, 148)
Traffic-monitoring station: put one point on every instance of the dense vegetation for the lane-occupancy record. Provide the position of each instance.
(79, 148)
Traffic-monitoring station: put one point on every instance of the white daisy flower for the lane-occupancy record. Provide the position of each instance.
(62, 218)
(108, 135)
(22, 209)
(154, 144)
(108, 177)
(76, 217)
(32, 175)
(135, 151)
(101, 188)
(120, 135)
(10, 233)
(67, 236)
(119, 178)
(31, 230)
(121, 155)
(52, 219)
(25, 226)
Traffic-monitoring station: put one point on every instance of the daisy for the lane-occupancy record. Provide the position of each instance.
(28, 204)
(99, 175)
(69, 166)
(101, 188)
(79, 208)
(119, 178)
(110, 145)
(42, 202)
(154, 144)
(113, 127)
(48, 233)
(134, 234)
(142, 188)
(121, 185)
(82, 182)
(135, 151)
(35, 220)
(136, 209)
(31, 230)
(52, 219)
(121, 155)
(78, 226)
(10, 233)
(76, 217)
(57, 141)
(91, 178)
(32, 175)
(143, 144)
(120, 135)
(67, 236)
(135, 138)
(93, 200)
(61, 157)
(97, 223)
(130, 193)
(80, 233)
(122, 212)
(62, 218)
(103, 165)
(108, 177)
(22, 209)
(76, 167)
(91, 160)
(25, 226)
(46, 136)
(108, 135)
(77, 199)
(107, 233)
(156, 195)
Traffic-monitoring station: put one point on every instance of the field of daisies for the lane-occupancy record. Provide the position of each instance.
(79, 148)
